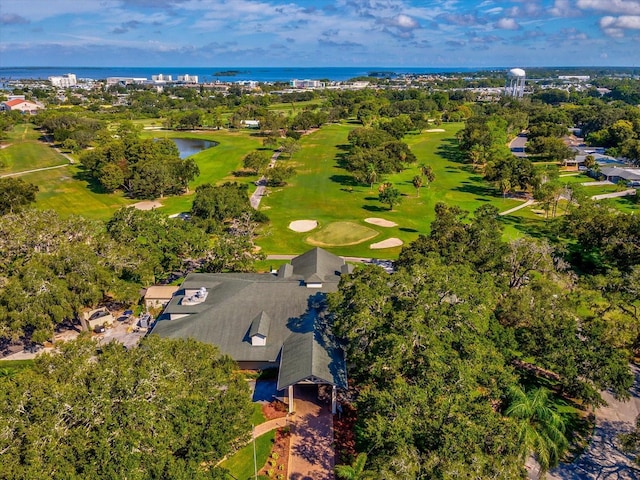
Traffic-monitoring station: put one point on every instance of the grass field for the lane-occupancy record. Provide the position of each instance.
(241, 464)
(322, 190)
(68, 190)
(24, 151)
(325, 192)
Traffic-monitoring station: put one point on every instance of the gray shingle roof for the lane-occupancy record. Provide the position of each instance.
(238, 305)
(313, 357)
(260, 325)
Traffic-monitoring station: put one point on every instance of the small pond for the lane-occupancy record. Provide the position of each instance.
(191, 146)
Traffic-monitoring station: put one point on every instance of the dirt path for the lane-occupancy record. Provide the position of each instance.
(603, 459)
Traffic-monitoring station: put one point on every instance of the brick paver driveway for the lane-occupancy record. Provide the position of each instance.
(311, 454)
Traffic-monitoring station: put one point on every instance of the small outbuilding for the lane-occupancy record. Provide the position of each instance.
(158, 296)
(100, 317)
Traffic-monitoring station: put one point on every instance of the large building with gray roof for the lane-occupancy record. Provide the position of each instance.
(266, 320)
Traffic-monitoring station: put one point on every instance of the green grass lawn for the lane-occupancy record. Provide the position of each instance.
(26, 152)
(17, 364)
(257, 417)
(241, 464)
(68, 191)
(325, 192)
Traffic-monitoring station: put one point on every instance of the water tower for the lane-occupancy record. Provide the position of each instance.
(515, 83)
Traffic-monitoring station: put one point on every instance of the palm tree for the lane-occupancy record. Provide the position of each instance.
(540, 427)
(356, 470)
(417, 182)
(371, 174)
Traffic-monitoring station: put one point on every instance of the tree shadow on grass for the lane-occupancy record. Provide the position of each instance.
(449, 150)
(408, 230)
(532, 227)
(483, 192)
(375, 208)
(345, 180)
(92, 184)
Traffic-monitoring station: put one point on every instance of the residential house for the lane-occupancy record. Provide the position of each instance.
(21, 105)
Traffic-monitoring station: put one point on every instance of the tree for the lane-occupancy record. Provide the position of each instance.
(256, 161)
(15, 194)
(631, 441)
(166, 409)
(61, 265)
(417, 183)
(540, 428)
(428, 173)
(356, 470)
(387, 193)
(371, 174)
(290, 146)
(216, 205)
(168, 243)
(278, 175)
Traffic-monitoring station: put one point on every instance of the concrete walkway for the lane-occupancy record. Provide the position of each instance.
(603, 459)
(311, 455)
(515, 209)
(259, 193)
(268, 426)
(624, 193)
(24, 172)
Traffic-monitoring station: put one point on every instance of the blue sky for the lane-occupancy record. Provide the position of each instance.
(447, 33)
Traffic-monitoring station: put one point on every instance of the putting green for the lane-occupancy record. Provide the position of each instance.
(338, 234)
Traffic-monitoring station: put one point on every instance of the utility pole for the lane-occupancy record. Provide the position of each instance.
(255, 462)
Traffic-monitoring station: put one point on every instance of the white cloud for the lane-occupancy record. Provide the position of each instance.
(625, 7)
(615, 26)
(563, 8)
(507, 24)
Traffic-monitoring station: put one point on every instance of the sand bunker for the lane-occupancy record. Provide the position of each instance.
(388, 243)
(147, 205)
(303, 225)
(381, 222)
(434, 130)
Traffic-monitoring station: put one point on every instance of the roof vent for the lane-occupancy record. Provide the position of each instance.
(194, 296)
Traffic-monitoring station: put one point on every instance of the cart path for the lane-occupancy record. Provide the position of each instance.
(515, 209)
(603, 459)
(262, 187)
(24, 172)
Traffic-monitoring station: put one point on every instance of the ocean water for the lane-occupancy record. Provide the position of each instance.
(208, 74)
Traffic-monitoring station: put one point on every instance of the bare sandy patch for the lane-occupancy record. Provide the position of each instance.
(434, 130)
(381, 222)
(388, 243)
(303, 225)
(147, 205)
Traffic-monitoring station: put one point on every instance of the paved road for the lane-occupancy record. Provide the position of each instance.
(603, 459)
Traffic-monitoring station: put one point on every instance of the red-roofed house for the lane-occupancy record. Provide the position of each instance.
(21, 105)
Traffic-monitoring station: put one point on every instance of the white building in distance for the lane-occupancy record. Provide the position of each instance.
(64, 81)
(186, 78)
(161, 78)
(295, 83)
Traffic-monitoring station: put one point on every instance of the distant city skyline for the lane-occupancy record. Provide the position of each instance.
(280, 33)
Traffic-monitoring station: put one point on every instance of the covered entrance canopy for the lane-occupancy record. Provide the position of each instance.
(311, 357)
